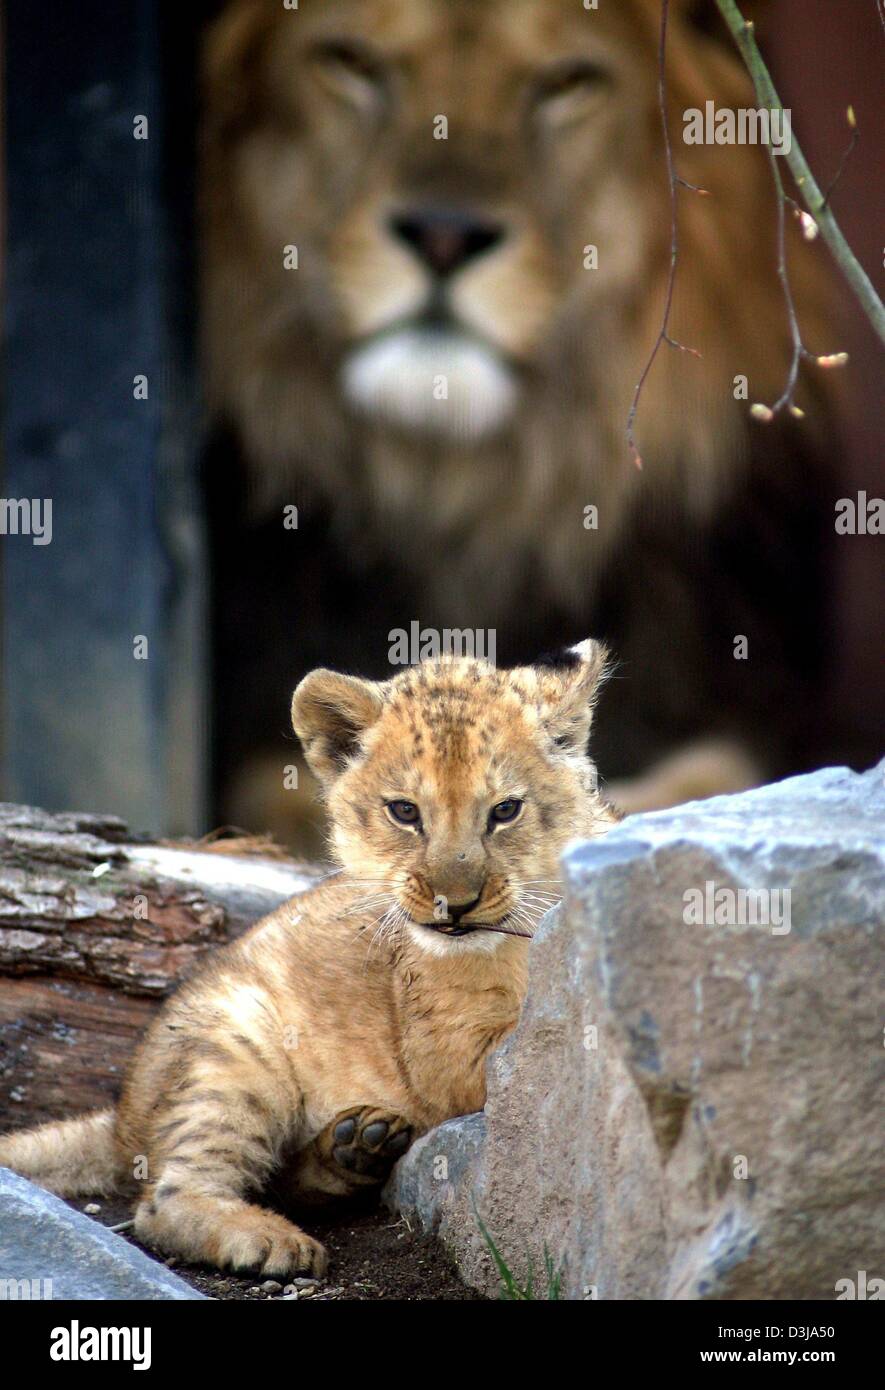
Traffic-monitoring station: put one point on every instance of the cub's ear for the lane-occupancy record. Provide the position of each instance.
(329, 713)
(569, 682)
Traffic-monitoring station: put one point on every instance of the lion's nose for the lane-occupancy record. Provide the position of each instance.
(444, 238)
(459, 910)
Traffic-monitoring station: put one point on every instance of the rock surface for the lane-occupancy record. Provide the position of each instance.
(692, 1105)
(42, 1239)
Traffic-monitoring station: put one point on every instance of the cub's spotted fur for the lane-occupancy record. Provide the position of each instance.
(303, 1058)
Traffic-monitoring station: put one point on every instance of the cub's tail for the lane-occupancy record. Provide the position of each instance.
(72, 1157)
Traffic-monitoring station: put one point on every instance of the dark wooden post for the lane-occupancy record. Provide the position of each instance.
(95, 300)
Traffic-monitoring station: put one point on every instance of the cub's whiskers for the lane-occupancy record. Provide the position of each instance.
(387, 926)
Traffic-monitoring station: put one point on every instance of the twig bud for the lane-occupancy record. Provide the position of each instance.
(808, 224)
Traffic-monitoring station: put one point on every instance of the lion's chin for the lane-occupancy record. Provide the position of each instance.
(434, 381)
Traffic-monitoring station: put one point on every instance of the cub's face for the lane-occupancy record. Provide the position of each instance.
(454, 788)
(441, 166)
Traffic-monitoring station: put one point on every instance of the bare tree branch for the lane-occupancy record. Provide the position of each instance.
(744, 35)
(675, 182)
(846, 156)
(766, 412)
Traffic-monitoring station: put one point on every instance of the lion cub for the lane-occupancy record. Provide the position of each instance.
(303, 1058)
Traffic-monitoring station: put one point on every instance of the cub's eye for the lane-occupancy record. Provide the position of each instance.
(571, 89)
(404, 813)
(505, 812)
(351, 69)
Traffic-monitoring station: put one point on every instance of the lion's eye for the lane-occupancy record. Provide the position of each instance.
(351, 68)
(404, 813)
(504, 812)
(570, 89)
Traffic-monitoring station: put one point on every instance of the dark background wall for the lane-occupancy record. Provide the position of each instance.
(826, 57)
(99, 287)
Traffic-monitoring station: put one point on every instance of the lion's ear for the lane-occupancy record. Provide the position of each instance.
(230, 53)
(570, 681)
(330, 712)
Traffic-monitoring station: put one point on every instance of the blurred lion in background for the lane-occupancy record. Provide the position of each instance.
(436, 241)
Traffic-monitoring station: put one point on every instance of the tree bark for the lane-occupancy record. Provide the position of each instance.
(96, 927)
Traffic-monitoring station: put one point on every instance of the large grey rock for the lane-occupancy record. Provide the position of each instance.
(436, 1183)
(719, 1134)
(42, 1239)
(564, 1160)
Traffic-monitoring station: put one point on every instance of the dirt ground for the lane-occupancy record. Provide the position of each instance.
(373, 1255)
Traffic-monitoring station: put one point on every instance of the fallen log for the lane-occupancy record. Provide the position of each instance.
(96, 927)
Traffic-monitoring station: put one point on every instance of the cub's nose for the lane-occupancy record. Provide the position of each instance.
(459, 910)
(445, 238)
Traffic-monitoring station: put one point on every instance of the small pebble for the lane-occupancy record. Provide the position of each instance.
(270, 1286)
(92, 1208)
(304, 1283)
(290, 1297)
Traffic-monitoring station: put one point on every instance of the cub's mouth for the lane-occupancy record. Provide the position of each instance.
(454, 928)
(462, 928)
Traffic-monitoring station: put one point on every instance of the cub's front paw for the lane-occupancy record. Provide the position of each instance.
(271, 1246)
(367, 1142)
(227, 1233)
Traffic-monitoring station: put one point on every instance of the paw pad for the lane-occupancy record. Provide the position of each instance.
(368, 1144)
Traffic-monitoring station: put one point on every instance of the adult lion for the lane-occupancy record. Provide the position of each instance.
(436, 243)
